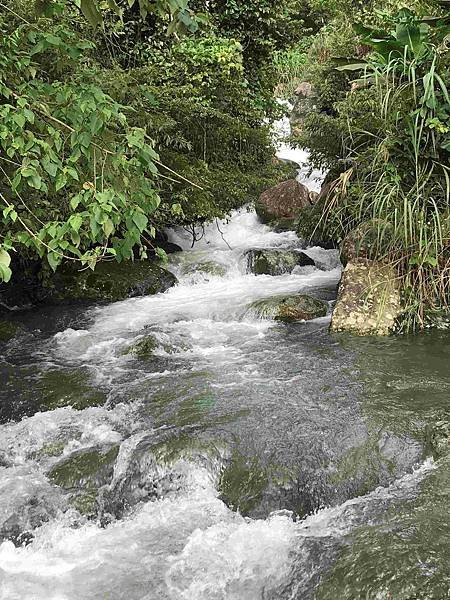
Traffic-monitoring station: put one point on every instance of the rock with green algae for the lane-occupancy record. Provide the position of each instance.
(289, 309)
(110, 281)
(145, 348)
(437, 438)
(368, 300)
(60, 388)
(82, 475)
(208, 267)
(8, 330)
(276, 261)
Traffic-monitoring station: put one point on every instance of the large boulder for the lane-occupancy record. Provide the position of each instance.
(290, 309)
(284, 201)
(111, 281)
(368, 300)
(276, 262)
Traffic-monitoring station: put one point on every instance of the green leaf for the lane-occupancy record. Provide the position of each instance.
(108, 227)
(91, 12)
(5, 273)
(5, 258)
(54, 260)
(75, 222)
(140, 220)
(61, 181)
(19, 119)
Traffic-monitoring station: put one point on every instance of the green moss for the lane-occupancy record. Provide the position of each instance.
(83, 474)
(208, 267)
(145, 348)
(8, 330)
(68, 388)
(242, 484)
(276, 262)
(86, 470)
(52, 449)
(111, 281)
(290, 308)
(85, 504)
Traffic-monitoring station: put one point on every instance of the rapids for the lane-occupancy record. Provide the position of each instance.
(243, 460)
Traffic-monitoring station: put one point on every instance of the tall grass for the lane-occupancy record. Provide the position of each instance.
(290, 65)
(399, 183)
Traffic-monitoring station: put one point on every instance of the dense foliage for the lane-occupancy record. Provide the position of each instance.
(120, 118)
(383, 128)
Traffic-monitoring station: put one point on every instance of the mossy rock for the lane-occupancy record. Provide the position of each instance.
(82, 475)
(369, 301)
(276, 262)
(437, 438)
(208, 267)
(85, 469)
(145, 348)
(59, 388)
(242, 484)
(289, 309)
(111, 281)
(8, 330)
(52, 449)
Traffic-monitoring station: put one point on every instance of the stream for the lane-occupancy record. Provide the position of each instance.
(242, 459)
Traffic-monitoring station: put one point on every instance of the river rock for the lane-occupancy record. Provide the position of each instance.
(144, 348)
(437, 437)
(276, 262)
(305, 104)
(289, 309)
(82, 474)
(8, 330)
(58, 388)
(284, 201)
(207, 267)
(111, 281)
(368, 299)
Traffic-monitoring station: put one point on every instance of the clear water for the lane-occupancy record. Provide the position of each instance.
(255, 460)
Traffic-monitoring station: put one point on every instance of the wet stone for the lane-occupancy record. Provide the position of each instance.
(83, 474)
(289, 309)
(8, 330)
(60, 388)
(276, 262)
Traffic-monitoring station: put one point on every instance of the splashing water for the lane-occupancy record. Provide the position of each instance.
(243, 454)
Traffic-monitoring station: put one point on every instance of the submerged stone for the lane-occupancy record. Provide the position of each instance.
(289, 309)
(276, 262)
(111, 281)
(242, 484)
(8, 330)
(368, 300)
(59, 388)
(82, 474)
(145, 348)
(438, 438)
(208, 267)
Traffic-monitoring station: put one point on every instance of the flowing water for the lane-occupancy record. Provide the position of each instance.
(240, 459)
